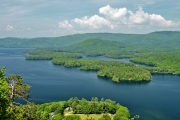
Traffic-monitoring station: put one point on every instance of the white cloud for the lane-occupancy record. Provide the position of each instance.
(140, 17)
(9, 28)
(65, 25)
(94, 22)
(120, 20)
(113, 13)
(153, 20)
(160, 21)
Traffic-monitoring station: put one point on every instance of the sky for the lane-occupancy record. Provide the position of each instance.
(51, 18)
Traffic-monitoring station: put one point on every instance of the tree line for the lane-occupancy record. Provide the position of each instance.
(117, 71)
(74, 106)
(162, 62)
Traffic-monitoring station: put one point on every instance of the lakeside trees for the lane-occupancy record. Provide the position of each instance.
(18, 90)
(62, 110)
(163, 62)
(12, 88)
(74, 107)
(4, 101)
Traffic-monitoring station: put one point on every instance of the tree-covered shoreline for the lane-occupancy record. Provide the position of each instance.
(153, 63)
(12, 88)
(117, 71)
(74, 108)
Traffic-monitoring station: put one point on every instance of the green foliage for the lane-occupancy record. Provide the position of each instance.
(12, 88)
(163, 62)
(17, 88)
(93, 107)
(23, 112)
(75, 106)
(4, 101)
(97, 47)
(94, 45)
(4, 91)
(55, 108)
(115, 70)
(122, 114)
(2, 73)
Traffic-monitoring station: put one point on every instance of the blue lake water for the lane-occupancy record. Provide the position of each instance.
(156, 100)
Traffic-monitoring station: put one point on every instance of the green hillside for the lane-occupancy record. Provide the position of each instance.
(163, 41)
(95, 45)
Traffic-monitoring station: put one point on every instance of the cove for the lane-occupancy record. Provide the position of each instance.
(156, 100)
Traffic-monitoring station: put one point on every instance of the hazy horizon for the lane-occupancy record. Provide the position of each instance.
(42, 18)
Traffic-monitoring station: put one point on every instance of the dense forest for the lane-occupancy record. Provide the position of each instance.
(13, 88)
(117, 71)
(165, 62)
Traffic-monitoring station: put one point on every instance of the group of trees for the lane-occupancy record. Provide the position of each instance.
(75, 106)
(162, 62)
(117, 71)
(12, 89)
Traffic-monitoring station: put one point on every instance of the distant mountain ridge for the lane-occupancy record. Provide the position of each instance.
(162, 39)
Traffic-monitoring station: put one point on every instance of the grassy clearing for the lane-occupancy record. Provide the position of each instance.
(86, 116)
(89, 116)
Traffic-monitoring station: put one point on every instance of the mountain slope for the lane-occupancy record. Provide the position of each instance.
(165, 40)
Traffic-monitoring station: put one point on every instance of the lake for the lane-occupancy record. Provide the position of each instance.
(156, 100)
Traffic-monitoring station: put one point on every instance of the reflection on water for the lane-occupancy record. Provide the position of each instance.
(124, 82)
(156, 100)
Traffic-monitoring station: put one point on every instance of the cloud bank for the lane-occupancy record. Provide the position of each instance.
(119, 18)
(23, 18)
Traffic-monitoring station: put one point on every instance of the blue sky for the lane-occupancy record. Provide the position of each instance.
(37, 18)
